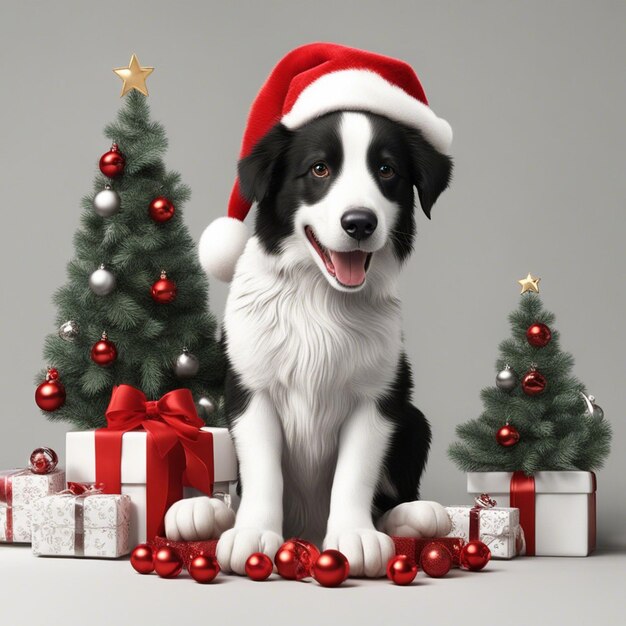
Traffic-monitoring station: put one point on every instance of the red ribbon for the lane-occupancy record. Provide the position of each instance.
(6, 497)
(484, 501)
(522, 492)
(177, 451)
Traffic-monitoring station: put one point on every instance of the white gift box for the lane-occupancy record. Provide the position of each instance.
(104, 518)
(80, 454)
(498, 528)
(565, 508)
(26, 488)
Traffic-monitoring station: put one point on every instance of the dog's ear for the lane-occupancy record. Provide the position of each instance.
(432, 170)
(257, 170)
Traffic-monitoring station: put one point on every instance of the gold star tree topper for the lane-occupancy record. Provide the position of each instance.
(530, 283)
(134, 76)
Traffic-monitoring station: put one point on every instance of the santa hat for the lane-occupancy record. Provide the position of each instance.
(308, 82)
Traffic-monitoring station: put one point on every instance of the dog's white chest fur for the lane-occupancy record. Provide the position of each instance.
(317, 352)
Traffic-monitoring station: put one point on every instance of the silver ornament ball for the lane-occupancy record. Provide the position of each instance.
(107, 202)
(102, 282)
(187, 365)
(506, 379)
(69, 330)
(207, 407)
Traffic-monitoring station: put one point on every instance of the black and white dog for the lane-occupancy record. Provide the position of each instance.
(318, 392)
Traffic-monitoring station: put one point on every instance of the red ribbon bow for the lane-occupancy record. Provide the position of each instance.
(177, 453)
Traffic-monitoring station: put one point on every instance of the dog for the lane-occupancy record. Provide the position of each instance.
(318, 390)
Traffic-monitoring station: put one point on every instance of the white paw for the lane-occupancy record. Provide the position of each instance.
(367, 550)
(237, 544)
(421, 518)
(195, 519)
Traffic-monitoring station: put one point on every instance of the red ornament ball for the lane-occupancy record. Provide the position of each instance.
(112, 163)
(295, 558)
(507, 436)
(50, 394)
(142, 559)
(43, 461)
(161, 209)
(534, 383)
(167, 563)
(164, 290)
(331, 568)
(400, 571)
(538, 335)
(204, 569)
(259, 566)
(474, 556)
(104, 352)
(436, 560)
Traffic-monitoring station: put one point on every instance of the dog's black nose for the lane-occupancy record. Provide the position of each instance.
(359, 223)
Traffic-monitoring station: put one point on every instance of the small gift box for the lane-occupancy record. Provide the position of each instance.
(497, 527)
(413, 546)
(81, 522)
(19, 489)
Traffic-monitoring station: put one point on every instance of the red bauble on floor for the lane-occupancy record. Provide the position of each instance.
(436, 560)
(112, 163)
(474, 556)
(331, 568)
(142, 559)
(294, 559)
(259, 566)
(204, 569)
(400, 571)
(167, 563)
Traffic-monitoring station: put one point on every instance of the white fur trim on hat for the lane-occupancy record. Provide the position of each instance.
(221, 245)
(364, 90)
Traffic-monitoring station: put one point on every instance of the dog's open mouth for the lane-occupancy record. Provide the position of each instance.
(348, 268)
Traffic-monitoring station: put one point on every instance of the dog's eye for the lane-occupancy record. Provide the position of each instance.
(320, 169)
(385, 171)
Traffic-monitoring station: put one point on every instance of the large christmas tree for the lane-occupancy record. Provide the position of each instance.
(537, 416)
(135, 307)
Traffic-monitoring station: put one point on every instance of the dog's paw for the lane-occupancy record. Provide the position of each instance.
(366, 549)
(195, 519)
(420, 518)
(237, 544)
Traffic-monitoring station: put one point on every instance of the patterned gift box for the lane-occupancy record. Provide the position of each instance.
(19, 489)
(90, 525)
(498, 528)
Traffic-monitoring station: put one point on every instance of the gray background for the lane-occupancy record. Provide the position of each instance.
(534, 92)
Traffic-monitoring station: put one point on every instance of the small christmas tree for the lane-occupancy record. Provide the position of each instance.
(538, 416)
(135, 308)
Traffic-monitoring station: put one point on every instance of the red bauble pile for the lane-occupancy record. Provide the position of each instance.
(203, 569)
(168, 563)
(538, 335)
(507, 436)
(104, 352)
(400, 571)
(534, 383)
(164, 290)
(331, 568)
(295, 558)
(436, 560)
(259, 566)
(50, 394)
(43, 461)
(474, 556)
(112, 163)
(161, 209)
(142, 559)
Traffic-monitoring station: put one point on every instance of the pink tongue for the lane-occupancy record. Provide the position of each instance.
(349, 266)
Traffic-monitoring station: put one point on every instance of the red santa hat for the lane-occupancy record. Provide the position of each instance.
(308, 82)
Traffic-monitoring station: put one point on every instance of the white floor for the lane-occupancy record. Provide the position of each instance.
(526, 591)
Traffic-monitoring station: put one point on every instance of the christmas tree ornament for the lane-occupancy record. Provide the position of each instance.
(142, 558)
(507, 436)
(161, 209)
(259, 566)
(104, 352)
(167, 563)
(207, 407)
(331, 568)
(530, 283)
(112, 163)
(68, 331)
(187, 365)
(134, 76)
(474, 556)
(592, 408)
(43, 461)
(50, 394)
(107, 202)
(295, 558)
(164, 290)
(538, 335)
(400, 571)
(435, 560)
(102, 282)
(203, 569)
(506, 379)
(534, 382)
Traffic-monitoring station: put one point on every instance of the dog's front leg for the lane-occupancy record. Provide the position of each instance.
(257, 435)
(363, 442)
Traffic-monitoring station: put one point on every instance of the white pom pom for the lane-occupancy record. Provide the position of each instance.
(221, 245)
